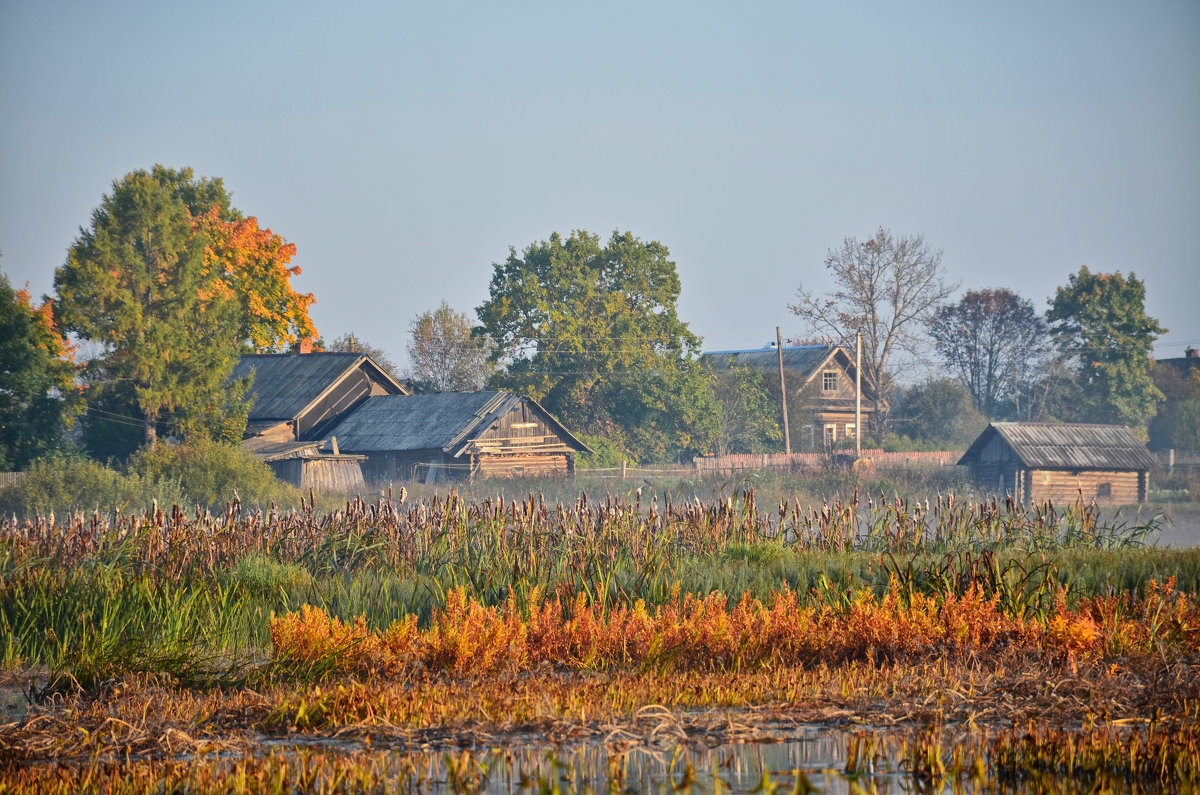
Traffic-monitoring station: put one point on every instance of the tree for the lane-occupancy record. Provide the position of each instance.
(139, 283)
(1177, 423)
(938, 412)
(1099, 320)
(746, 412)
(253, 263)
(993, 341)
(885, 287)
(591, 331)
(350, 343)
(37, 388)
(445, 355)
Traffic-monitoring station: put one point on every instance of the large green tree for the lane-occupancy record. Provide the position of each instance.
(1100, 321)
(747, 414)
(139, 284)
(590, 330)
(37, 388)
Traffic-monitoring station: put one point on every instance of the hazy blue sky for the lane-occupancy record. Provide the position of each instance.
(405, 147)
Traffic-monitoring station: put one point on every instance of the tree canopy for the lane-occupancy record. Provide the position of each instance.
(993, 341)
(37, 389)
(590, 330)
(170, 281)
(1100, 321)
(444, 355)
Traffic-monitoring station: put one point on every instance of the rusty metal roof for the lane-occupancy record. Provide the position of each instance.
(1066, 445)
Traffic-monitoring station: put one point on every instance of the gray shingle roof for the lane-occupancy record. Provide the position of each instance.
(803, 359)
(1062, 445)
(286, 383)
(414, 422)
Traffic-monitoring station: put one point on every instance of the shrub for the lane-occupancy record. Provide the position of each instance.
(71, 483)
(212, 473)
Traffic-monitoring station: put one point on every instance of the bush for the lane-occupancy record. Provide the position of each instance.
(212, 473)
(64, 484)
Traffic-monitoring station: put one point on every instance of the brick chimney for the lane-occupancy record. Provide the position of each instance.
(305, 346)
(1190, 353)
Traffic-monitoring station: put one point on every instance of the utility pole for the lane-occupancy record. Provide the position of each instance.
(858, 394)
(787, 436)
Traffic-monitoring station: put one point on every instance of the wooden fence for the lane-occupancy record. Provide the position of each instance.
(800, 462)
(11, 479)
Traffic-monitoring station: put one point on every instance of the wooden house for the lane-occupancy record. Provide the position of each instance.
(297, 398)
(825, 375)
(1038, 461)
(456, 434)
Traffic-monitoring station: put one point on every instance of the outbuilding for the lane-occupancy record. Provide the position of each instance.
(456, 434)
(1038, 461)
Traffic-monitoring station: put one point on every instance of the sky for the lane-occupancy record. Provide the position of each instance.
(404, 148)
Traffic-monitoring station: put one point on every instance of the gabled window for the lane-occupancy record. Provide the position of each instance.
(829, 381)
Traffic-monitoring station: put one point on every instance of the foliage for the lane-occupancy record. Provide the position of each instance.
(137, 283)
(938, 412)
(443, 353)
(254, 264)
(37, 388)
(1100, 321)
(886, 286)
(71, 483)
(747, 414)
(350, 343)
(209, 473)
(1177, 424)
(604, 455)
(591, 332)
(994, 343)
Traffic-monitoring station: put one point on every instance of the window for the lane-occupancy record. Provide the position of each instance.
(830, 434)
(1104, 490)
(829, 381)
(849, 434)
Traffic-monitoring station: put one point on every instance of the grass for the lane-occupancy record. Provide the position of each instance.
(451, 623)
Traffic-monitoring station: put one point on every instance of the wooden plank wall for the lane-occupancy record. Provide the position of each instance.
(1064, 485)
(326, 476)
(523, 465)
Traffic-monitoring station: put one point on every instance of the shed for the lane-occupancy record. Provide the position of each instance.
(304, 465)
(1038, 461)
(462, 434)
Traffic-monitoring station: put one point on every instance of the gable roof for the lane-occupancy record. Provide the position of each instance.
(804, 360)
(1063, 445)
(286, 384)
(442, 420)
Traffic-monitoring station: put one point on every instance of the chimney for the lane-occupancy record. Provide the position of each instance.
(1190, 353)
(306, 345)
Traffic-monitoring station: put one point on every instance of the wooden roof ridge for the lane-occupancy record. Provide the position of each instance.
(510, 401)
(362, 358)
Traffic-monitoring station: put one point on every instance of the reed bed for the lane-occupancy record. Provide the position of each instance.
(149, 643)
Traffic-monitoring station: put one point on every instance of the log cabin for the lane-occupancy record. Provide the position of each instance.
(823, 376)
(1033, 462)
(456, 435)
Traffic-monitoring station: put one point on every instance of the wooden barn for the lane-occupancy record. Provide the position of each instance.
(297, 398)
(826, 376)
(1038, 461)
(456, 434)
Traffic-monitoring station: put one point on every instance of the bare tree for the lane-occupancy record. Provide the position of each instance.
(444, 355)
(349, 343)
(886, 287)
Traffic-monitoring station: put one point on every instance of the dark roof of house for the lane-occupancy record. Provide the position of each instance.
(440, 421)
(803, 359)
(1184, 364)
(1062, 445)
(285, 384)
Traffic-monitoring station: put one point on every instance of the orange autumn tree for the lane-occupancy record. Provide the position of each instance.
(38, 392)
(254, 264)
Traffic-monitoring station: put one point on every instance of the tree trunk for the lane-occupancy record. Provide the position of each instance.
(151, 427)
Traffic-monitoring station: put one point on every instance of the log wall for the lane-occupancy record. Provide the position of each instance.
(1104, 486)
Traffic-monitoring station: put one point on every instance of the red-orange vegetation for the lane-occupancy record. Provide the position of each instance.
(704, 633)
